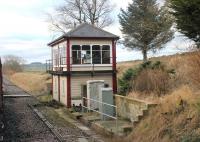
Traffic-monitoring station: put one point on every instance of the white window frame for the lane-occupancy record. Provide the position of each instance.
(91, 54)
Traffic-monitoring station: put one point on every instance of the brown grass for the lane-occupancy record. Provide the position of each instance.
(123, 66)
(154, 81)
(194, 69)
(172, 120)
(32, 82)
(177, 118)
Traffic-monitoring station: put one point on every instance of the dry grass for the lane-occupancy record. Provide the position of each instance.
(194, 69)
(154, 81)
(123, 66)
(32, 82)
(173, 120)
(177, 118)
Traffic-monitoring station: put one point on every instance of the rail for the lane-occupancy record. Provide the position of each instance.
(62, 62)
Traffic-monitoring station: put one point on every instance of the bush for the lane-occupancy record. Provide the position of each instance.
(125, 81)
(147, 77)
(152, 80)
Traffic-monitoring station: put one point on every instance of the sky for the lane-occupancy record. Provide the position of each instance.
(24, 31)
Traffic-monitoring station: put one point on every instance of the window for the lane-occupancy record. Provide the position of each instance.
(62, 55)
(96, 54)
(105, 54)
(86, 54)
(55, 57)
(76, 54)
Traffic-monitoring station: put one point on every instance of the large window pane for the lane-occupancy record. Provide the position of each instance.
(96, 54)
(105, 57)
(96, 47)
(76, 54)
(55, 57)
(96, 57)
(63, 55)
(85, 47)
(105, 54)
(86, 57)
(76, 57)
(106, 47)
(76, 47)
(86, 54)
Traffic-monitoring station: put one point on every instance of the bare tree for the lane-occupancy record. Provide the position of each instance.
(12, 64)
(75, 12)
(97, 12)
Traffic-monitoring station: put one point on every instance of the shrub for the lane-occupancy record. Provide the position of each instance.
(125, 81)
(152, 80)
(147, 77)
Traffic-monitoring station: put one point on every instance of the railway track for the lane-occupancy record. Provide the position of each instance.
(24, 125)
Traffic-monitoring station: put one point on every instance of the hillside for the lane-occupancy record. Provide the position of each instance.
(177, 117)
(35, 66)
(168, 60)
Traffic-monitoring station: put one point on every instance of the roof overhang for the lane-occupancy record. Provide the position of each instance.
(63, 38)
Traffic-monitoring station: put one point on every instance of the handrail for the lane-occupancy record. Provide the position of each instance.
(115, 117)
(62, 61)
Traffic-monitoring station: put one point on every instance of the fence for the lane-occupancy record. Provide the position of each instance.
(1, 86)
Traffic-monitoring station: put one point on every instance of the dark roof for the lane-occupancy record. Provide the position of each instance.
(86, 30)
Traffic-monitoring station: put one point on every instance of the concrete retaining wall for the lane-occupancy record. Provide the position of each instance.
(129, 108)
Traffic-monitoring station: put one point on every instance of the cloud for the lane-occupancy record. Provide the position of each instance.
(24, 30)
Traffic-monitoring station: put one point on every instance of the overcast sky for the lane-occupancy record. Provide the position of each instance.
(24, 31)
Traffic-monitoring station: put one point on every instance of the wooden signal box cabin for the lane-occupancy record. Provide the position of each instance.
(84, 53)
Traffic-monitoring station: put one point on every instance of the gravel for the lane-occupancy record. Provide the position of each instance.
(23, 125)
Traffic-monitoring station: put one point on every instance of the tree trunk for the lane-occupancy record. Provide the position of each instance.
(144, 52)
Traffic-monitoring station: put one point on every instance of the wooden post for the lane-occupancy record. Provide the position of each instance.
(68, 75)
(114, 77)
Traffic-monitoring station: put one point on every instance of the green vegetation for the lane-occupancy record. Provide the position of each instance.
(146, 26)
(147, 77)
(187, 14)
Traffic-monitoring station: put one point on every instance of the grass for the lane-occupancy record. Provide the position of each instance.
(176, 119)
(32, 82)
(173, 120)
